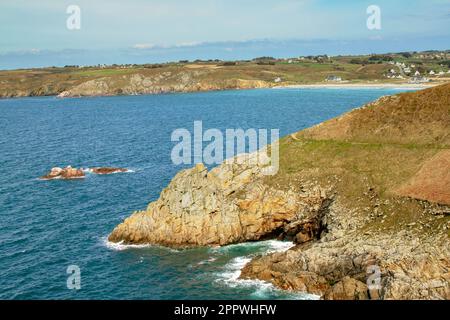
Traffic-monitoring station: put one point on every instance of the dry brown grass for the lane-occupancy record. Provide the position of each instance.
(415, 118)
(387, 152)
(431, 182)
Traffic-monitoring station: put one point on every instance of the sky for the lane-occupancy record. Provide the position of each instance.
(34, 33)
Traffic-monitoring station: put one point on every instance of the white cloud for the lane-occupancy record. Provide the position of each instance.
(144, 46)
(188, 44)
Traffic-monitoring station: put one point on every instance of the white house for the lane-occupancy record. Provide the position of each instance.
(419, 80)
(277, 80)
(417, 73)
(432, 73)
(333, 78)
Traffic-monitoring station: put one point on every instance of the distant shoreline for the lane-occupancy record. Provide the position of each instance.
(410, 86)
(337, 86)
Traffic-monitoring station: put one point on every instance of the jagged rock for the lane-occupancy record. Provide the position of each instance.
(206, 208)
(64, 173)
(347, 289)
(407, 270)
(74, 173)
(188, 81)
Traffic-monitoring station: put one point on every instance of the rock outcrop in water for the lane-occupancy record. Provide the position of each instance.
(336, 195)
(68, 172)
(64, 173)
(107, 170)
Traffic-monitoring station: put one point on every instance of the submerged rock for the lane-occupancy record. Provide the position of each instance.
(64, 173)
(107, 170)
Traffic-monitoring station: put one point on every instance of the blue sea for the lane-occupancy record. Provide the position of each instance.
(46, 226)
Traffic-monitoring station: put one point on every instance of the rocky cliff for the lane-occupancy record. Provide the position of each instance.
(228, 204)
(166, 82)
(352, 199)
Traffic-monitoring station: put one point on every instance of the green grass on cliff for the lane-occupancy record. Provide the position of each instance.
(103, 72)
(52, 81)
(366, 174)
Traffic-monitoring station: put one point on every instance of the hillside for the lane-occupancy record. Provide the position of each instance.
(194, 76)
(401, 140)
(376, 161)
(353, 193)
(408, 118)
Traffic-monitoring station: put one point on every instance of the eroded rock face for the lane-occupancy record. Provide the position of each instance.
(410, 267)
(166, 82)
(333, 257)
(226, 205)
(64, 173)
(348, 289)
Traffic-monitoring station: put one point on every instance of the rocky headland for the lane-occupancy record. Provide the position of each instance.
(166, 82)
(365, 197)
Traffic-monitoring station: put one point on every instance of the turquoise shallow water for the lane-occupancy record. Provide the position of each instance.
(49, 225)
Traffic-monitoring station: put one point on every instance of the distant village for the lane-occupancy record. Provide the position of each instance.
(411, 72)
(414, 67)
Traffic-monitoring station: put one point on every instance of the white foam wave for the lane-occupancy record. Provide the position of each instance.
(230, 276)
(262, 289)
(89, 170)
(209, 260)
(120, 246)
(232, 272)
(279, 246)
(267, 246)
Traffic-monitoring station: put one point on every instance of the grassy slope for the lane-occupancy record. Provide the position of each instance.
(52, 81)
(369, 153)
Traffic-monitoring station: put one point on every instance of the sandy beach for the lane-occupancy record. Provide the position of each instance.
(407, 86)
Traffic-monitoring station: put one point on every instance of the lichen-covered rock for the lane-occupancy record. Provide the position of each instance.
(165, 82)
(74, 173)
(226, 205)
(348, 289)
(410, 266)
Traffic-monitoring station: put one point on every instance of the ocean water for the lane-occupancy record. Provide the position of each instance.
(45, 226)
